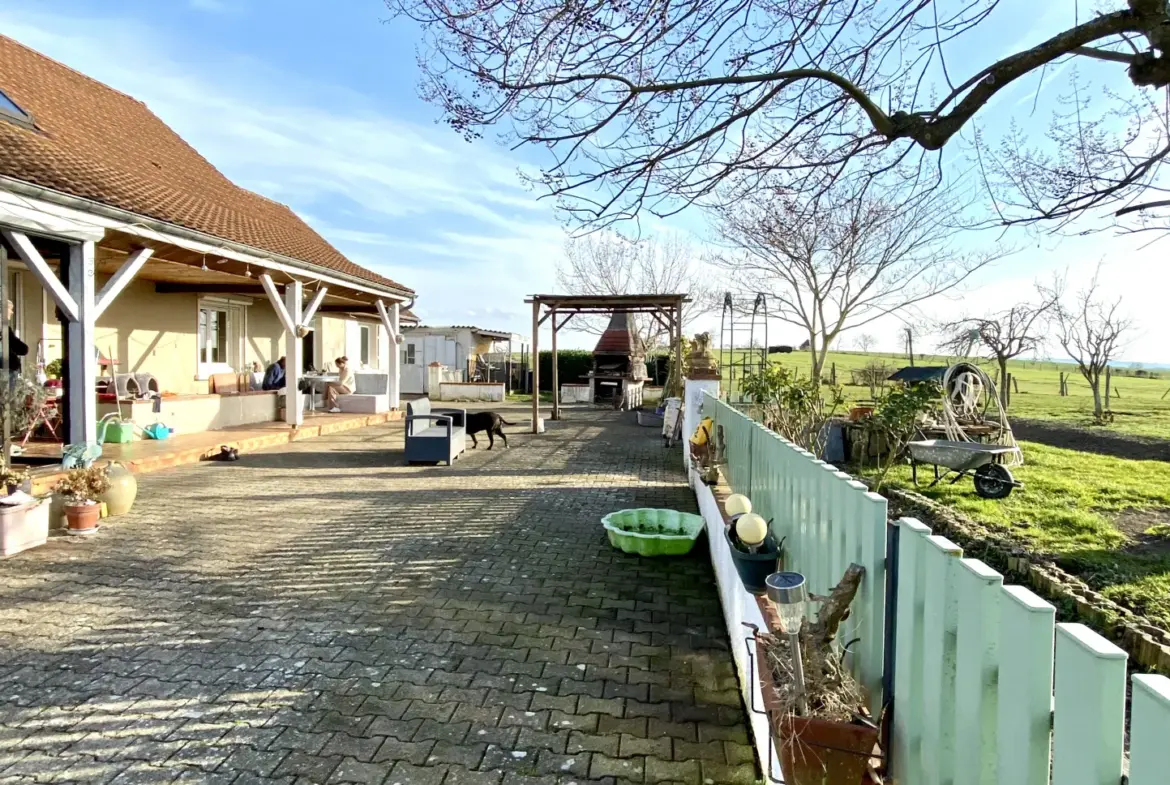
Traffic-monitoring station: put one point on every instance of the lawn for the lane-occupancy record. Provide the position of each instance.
(1101, 518)
(1140, 409)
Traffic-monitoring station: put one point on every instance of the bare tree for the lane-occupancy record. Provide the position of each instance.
(605, 263)
(1004, 335)
(865, 342)
(652, 105)
(847, 257)
(1092, 330)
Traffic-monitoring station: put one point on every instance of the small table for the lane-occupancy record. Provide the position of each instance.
(318, 383)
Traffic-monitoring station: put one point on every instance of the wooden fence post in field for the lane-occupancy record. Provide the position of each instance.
(1024, 707)
(833, 374)
(1088, 729)
(1108, 386)
(1149, 754)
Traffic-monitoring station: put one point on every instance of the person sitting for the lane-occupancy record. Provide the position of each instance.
(274, 376)
(343, 386)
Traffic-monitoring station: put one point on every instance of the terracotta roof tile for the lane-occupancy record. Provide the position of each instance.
(94, 142)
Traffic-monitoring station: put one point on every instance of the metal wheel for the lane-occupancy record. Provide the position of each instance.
(993, 481)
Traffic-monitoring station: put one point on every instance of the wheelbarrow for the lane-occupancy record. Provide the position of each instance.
(984, 462)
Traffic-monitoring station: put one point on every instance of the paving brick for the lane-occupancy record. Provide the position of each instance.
(673, 771)
(303, 641)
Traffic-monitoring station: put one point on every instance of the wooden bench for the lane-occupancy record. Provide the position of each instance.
(434, 436)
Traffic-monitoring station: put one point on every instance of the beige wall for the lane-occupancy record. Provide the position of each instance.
(157, 333)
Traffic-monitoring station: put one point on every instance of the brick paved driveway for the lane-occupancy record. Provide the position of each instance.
(321, 613)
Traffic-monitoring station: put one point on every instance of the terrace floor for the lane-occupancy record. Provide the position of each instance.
(318, 612)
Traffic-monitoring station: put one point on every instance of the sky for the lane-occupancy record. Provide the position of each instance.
(315, 105)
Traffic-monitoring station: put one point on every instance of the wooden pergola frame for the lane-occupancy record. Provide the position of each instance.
(666, 309)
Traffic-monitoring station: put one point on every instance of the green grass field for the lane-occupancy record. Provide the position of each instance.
(1101, 518)
(1139, 409)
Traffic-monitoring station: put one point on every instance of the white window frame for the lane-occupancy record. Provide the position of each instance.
(236, 310)
(410, 355)
(371, 361)
(15, 292)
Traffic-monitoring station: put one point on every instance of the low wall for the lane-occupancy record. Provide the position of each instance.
(576, 393)
(739, 608)
(471, 391)
(197, 413)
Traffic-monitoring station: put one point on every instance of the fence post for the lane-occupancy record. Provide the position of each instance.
(906, 754)
(1149, 752)
(1088, 729)
(1025, 687)
(977, 672)
(940, 627)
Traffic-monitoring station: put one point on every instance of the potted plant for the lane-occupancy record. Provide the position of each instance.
(12, 477)
(817, 715)
(755, 551)
(81, 489)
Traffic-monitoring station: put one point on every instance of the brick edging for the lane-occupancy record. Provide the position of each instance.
(1146, 644)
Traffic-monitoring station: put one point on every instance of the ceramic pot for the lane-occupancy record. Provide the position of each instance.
(123, 489)
(83, 518)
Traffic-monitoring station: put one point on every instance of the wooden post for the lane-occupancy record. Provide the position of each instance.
(1108, 385)
(535, 366)
(833, 374)
(82, 393)
(678, 341)
(1009, 379)
(556, 407)
(294, 355)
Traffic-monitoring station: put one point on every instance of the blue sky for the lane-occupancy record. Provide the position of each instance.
(314, 104)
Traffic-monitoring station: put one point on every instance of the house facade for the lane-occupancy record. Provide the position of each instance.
(125, 251)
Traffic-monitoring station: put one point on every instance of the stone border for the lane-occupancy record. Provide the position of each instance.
(1146, 644)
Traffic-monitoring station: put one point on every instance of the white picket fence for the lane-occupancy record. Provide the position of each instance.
(988, 688)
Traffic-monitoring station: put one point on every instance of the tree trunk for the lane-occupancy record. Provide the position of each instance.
(816, 358)
(1098, 409)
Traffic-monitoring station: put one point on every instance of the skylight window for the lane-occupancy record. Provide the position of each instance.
(9, 107)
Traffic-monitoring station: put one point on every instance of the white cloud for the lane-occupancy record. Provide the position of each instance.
(449, 219)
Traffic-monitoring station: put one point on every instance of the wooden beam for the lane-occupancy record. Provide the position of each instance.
(121, 279)
(544, 318)
(287, 319)
(535, 367)
(567, 319)
(81, 397)
(42, 272)
(356, 308)
(294, 348)
(163, 287)
(556, 407)
(311, 308)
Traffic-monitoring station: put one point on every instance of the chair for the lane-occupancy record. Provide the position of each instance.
(434, 436)
(371, 394)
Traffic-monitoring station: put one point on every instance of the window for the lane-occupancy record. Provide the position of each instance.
(10, 111)
(410, 354)
(367, 342)
(220, 336)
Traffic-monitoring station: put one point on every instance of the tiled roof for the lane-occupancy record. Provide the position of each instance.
(94, 142)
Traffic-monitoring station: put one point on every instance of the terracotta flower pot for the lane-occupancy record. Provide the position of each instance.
(814, 751)
(83, 518)
(857, 412)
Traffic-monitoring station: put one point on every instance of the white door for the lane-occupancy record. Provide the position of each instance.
(414, 369)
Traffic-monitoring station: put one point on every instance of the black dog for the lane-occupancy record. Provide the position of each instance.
(486, 421)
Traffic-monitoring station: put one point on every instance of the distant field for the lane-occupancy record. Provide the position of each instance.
(1139, 409)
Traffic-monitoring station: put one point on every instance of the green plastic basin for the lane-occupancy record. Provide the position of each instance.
(651, 532)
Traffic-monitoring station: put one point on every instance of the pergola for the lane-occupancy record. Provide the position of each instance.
(666, 309)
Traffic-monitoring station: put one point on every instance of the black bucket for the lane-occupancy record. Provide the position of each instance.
(754, 568)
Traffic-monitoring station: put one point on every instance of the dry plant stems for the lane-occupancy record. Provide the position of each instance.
(83, 486)
(831, 692)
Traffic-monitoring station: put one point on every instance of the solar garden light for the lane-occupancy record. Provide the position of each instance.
(788, 591)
